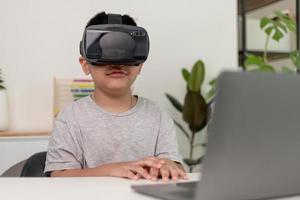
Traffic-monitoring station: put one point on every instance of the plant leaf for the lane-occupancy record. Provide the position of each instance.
(278, 34)
(267, 25)
(210, 94)
(278, 26)
(295, 57)
(256, 63)
(213, 81)
(267, 68)
(288, 21)
(185, 74)
(264, 21)
(282, 26)
(182, 129)
(287, 70)
(1, 80)
(175, 102)
(192, 162)
(212, 91)
(197, 76)
(195, 111)
(269, 30)
(253, 60)
(199, 144)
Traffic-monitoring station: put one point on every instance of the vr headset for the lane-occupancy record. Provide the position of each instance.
(114, 43)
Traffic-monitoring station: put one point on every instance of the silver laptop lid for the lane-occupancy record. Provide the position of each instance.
(253, 147)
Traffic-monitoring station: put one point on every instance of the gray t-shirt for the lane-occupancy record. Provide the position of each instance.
(86, 136)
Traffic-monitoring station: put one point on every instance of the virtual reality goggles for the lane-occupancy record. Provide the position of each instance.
(115, 43)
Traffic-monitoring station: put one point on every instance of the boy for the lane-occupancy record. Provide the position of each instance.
(112, 132)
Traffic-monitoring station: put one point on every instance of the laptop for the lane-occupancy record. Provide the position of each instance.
(253, 149)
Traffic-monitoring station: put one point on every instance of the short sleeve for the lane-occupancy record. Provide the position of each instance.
(167, 146)
(64, 150)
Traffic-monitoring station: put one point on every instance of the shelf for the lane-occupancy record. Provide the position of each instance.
(251, 5)
(270, 55)
(11, 133)
(245, 6)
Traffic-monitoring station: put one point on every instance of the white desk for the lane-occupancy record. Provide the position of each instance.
(90, 188)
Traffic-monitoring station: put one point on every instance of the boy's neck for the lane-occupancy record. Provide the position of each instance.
(114, 103)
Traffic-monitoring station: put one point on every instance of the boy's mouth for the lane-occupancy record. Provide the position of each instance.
(117, 73)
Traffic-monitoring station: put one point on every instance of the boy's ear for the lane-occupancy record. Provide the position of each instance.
(84, 65)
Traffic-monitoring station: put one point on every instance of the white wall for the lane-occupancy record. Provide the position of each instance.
(14, 150)
(39, 40)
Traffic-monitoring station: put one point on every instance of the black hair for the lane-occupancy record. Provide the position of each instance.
(101, 18)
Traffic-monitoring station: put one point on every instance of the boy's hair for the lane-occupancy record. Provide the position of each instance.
(101, 18)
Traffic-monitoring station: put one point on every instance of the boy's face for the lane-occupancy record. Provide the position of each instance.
(111, 78)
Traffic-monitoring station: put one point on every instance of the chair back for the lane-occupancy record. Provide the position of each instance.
(35, 165)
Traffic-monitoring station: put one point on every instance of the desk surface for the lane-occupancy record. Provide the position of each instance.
(90, 188)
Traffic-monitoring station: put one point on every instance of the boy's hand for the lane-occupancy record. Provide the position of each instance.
(168, 170)
(134, 169)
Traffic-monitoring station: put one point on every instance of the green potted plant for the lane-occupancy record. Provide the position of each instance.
(194, 110)
(275, 28)
(3, 105)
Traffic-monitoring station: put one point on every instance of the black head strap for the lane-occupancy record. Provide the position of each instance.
(114, 19)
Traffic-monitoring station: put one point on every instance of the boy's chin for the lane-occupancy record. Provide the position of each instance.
(118, 88)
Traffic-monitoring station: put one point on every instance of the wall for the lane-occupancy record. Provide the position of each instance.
(14, 150)
(39, 40)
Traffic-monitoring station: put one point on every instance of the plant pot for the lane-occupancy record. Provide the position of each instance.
(3, 110)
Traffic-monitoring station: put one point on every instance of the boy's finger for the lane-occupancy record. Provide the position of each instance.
(154, 173)
(149, 163)
(129, 174)
(138, 176)
(182, 174)
(165, 174)
(173, 173)
(141, 171)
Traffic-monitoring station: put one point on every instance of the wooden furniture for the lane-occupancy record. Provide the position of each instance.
(251, 5)
(23, 133)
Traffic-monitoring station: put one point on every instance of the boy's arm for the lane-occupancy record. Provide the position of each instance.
(64, 148)
(167, 146)
(131, 170)
(167, 149)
